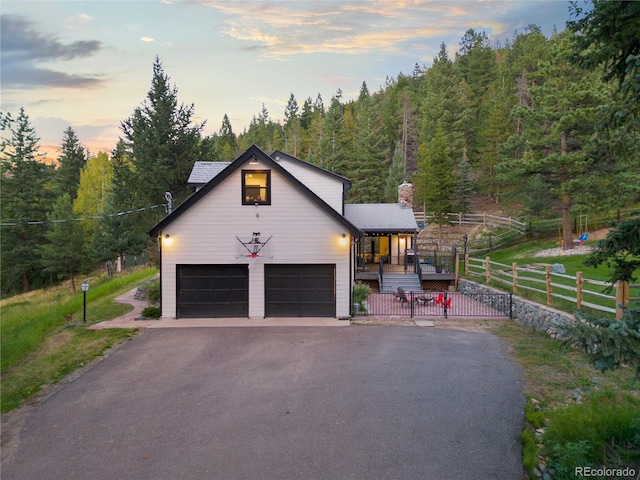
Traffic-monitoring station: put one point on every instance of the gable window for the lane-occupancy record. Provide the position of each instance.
(256, 187)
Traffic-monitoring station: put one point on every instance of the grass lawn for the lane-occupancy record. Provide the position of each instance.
(44, 339)
(576, 415)
(524, 256)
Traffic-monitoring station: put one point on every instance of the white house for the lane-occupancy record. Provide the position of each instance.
(263, 236)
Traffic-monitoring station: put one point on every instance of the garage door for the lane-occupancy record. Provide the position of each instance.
(210, 291)
(300, 290)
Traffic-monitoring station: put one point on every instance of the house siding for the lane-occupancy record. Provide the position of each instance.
(302, 233)
(327, 188)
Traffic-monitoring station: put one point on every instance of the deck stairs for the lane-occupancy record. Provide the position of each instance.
(410, 282)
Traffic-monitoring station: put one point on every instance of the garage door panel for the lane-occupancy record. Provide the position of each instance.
(300, 290)
(206, 291)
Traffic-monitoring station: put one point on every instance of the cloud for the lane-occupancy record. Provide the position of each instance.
(147, 39)
(78, 21)
(281, 30)
(287, 29)
(23, 49)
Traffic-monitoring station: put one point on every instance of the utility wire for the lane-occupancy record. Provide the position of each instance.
(119, 214)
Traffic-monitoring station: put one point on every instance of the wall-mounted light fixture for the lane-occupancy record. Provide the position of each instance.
(167, 240)
(344, 239)
(253, 161)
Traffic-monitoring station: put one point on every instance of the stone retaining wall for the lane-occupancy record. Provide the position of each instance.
(524, 312)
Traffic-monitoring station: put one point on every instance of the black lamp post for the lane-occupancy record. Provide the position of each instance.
(85, 289)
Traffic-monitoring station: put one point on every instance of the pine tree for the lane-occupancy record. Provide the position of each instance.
(292, 128)
(162, 142)
(397, 174)
(557, 132)
(71, 161)
(443, 105)
(367, 167)
(64, 253)
(25, 197)
(464, 189)
(332, 153)
(227, 141)
(435, 183)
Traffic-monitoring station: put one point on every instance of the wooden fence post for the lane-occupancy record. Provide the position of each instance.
(487, 269)
(579, 290)
(466, 263)
(547, 274)
(622, 298)
(514, 265)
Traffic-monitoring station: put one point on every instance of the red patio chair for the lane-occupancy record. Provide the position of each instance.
(439, 299)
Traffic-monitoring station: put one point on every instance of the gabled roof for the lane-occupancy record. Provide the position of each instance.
(251, 153)
(381, 217)
(345, 181)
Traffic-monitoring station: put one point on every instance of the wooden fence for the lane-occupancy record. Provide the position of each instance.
(544, 281)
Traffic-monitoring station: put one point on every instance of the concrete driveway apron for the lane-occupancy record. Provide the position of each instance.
(284, 403)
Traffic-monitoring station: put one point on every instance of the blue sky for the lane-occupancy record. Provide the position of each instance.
(88, 64)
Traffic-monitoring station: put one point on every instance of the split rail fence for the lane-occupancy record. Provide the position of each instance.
(544, 282)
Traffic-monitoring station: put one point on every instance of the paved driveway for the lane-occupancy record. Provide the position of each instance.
(284, 403)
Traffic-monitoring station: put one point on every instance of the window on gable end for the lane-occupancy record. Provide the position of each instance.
(256, 187)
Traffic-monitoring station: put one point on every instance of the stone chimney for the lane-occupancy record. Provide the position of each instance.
(405, 195)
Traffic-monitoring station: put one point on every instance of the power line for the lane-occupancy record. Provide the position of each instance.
(98, 217)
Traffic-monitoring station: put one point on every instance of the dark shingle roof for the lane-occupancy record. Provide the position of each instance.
(202, 172)
(381, 217)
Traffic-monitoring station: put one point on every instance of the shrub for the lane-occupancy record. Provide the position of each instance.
(361, 292)
(151, 312)
(153, 291)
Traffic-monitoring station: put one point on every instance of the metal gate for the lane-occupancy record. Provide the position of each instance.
(437, 304)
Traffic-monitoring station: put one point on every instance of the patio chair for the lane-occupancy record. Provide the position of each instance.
(403, 297)
(439, 299)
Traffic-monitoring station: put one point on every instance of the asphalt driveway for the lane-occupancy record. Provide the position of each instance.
(391, 402)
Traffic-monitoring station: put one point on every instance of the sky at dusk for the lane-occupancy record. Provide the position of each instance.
(88, 64)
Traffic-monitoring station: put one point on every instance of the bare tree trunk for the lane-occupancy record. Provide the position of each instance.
(26, 285)
(567, 234)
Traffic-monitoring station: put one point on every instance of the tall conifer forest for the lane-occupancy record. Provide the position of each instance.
(542, 127)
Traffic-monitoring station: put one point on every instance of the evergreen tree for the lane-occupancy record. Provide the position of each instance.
(464, 189)
(162, 143)
(367, 167)
(71, 161)
(397, 174)
(443, 105)
(435, 184)
(64, 253)
(116, 235)
(25, 197)
(609, 37)
(227, 141)
(332, 153)
(292, 128)
(558, 131)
